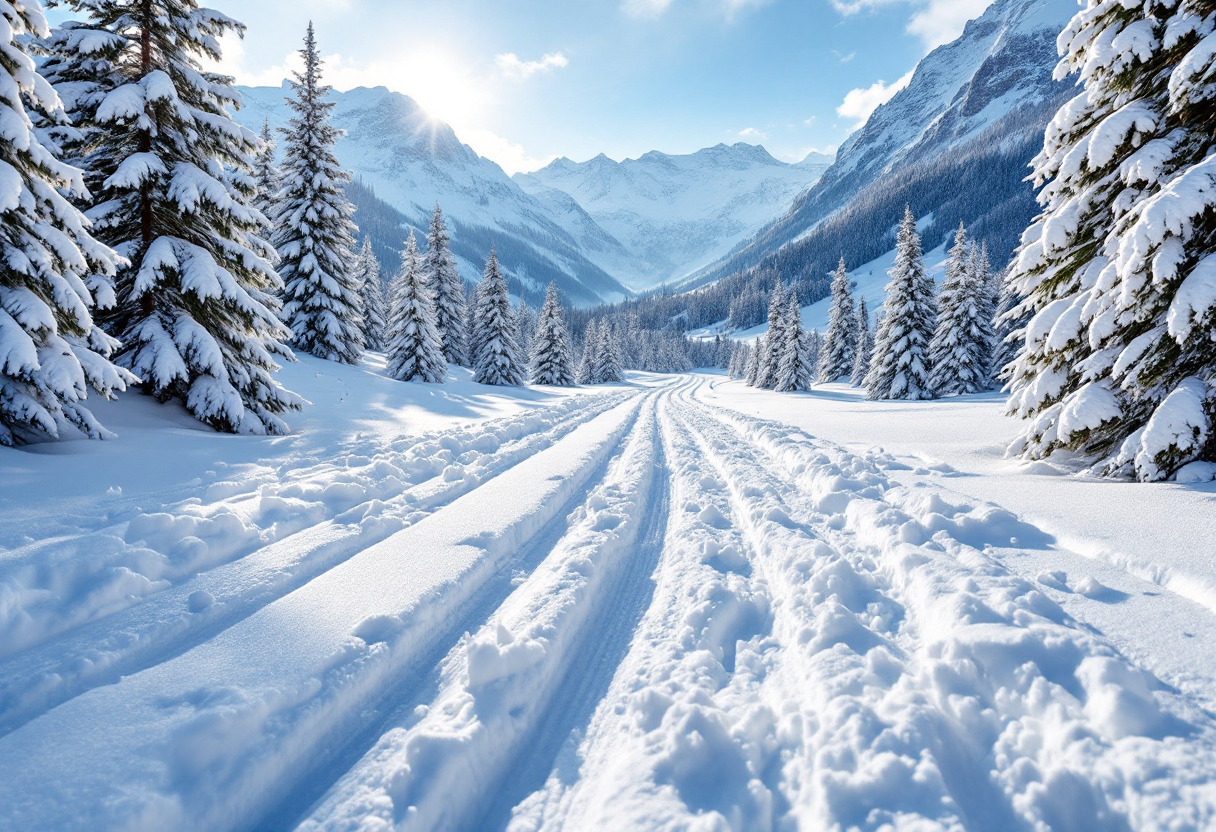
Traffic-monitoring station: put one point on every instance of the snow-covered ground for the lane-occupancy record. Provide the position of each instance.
(677, 603)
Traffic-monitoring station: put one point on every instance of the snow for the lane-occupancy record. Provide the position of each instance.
(672, 603)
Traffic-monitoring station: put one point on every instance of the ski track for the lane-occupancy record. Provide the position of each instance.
(170, 621)
(653, 614)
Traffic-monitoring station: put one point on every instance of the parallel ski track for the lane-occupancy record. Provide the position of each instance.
(34, 680)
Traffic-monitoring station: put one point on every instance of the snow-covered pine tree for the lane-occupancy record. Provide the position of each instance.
(840, 341)
(315, 235)
(551, 361)
(1119, 271)
(195, 307)
(607, 358)
(961, 350)
(812, 348)
(366, 276)
(496, 351)
(1009, 326)
(755, 357)
(266, 174)
(525, 326)
(865, 346)
(413, 349)
(794, 367)
(448, 289)
(899, 367)
(773, 341)
(586, 372)
(54, 270)
(734, 369)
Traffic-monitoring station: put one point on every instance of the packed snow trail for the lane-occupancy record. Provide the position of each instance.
(213, 737)
(674, 616)
(443, 466)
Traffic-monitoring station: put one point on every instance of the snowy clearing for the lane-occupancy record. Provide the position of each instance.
(679, 603)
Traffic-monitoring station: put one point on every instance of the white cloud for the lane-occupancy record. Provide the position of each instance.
(512, 158)
(645, 8)
(512, 67)
(751, 134)
(934, 22)
(858, 104)
(941, 21)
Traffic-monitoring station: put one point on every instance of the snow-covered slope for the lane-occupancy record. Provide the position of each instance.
(413, 161)
(676, 214)
(954, 143)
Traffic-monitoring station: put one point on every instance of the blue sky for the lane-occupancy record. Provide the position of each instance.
(525, 81)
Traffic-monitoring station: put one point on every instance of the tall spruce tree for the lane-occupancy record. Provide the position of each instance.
(496, 350)
(1009, 325)
(315, 236)
(266, 174)
(414, 349)
(794, 370)
(551, 361)
(840, 341)
(754, 359)
(587, 371)
(1119, 271)
(608, 369)
(366, 276)
(448, 289)
(51, 351)
(195, 307)
(961, 350)
(865, 346)
(773, 340)
(899, 367)
(525, 326)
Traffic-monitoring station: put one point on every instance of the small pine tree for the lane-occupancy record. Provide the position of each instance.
(551, 360)
(321, 303)
(865, 346)
(54, 271)
(366, 276)
(266, 174)
(414, 349)
(961, 348)
(586, 373)
(794, 368)
(811, 350)
(899, 367)
(173, 192)
(840, 342)
(496, 357)
(608, 363)
(525, 326)
(448, 289)
(755, 357)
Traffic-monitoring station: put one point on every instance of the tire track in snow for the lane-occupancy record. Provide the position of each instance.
(1025, 719)
(173, 620)
(220, 735)
(506, 688)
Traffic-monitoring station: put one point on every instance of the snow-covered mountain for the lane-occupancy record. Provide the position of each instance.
(674, 214)
(413, 161)
(954, 144)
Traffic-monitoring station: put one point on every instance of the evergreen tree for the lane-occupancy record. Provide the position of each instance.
(794, 368)
(195, 306)
(754, 359)
(525, 326)
(266, 174)
(608, 368)
(551, 360)
(961, 349)
(773, 340)
(811, 350)
(865, 346)
(840, 342)
(315, 234)
(586, 373)
(54, 271)
(496, 351)
(1009, 324)
(448, 289)
(899, 367)
(1118, 358)
(366, 276)
(414, 349)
